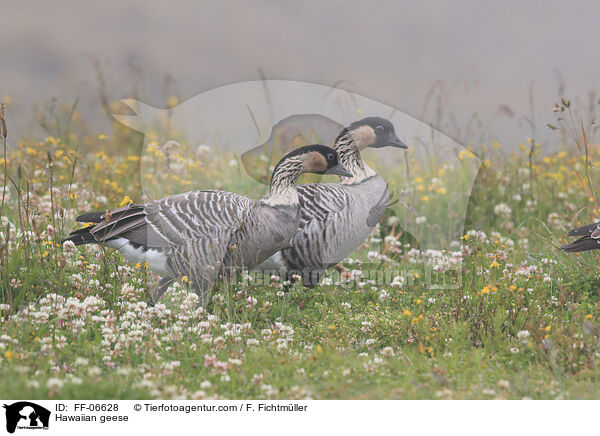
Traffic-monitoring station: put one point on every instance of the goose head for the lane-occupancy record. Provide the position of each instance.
(316, 158)
(374, 132)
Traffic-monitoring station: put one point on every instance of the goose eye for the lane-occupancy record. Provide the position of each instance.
(379, 129)
(330, 156)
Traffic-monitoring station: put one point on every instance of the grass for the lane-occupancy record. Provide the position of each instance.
(520, 319)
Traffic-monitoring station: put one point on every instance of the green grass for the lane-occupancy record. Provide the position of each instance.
(519, 319)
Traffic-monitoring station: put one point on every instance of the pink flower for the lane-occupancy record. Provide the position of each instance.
(210, 360)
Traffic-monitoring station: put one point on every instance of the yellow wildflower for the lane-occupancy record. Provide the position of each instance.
(126, 200)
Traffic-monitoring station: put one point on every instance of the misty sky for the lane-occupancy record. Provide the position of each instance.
(482, 55)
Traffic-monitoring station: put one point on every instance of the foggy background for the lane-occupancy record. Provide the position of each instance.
(467, 67)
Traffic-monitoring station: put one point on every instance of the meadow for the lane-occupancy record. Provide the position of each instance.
(520, 321)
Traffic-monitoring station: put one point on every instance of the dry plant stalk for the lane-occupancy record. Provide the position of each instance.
(3, 132)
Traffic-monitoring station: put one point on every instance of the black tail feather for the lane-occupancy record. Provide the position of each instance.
(91, 217)
(583, 244)
(81, 236)
(583, 230)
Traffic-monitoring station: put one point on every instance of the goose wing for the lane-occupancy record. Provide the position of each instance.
(332, 225)
(318, 201)
(323, 220)
(196, 226)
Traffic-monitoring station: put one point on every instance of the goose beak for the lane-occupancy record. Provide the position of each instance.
(339, 170)
(396, 142)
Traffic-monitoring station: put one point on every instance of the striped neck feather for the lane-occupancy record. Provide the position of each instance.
(350, 157)
(283, 190)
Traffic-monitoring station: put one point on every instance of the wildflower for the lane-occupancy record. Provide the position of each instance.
(407, 312)
(33, 384)
(489, 289)
(589, 316)
(210, 360)
(523, 335)
(504, 384)
(387, 352)
(54, 384)
(198, 395)
(126, 200)
(503, 209)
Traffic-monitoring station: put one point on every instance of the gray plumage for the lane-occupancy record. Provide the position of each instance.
(201, 234)
(336, 218)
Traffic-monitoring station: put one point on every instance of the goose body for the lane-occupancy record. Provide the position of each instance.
(335, 218)
(200, 234)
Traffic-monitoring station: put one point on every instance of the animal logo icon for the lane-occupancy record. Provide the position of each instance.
(26, 415)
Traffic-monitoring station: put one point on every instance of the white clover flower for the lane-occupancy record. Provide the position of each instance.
(503, 209)
(54, 384)
(198, 395)
(34, 384)
(398, 282)
(392, 221)
(387, 352)
(504, 384)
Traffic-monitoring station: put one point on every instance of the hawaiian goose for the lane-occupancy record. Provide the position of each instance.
(201, 234)
(337, 217)
(590, 238)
